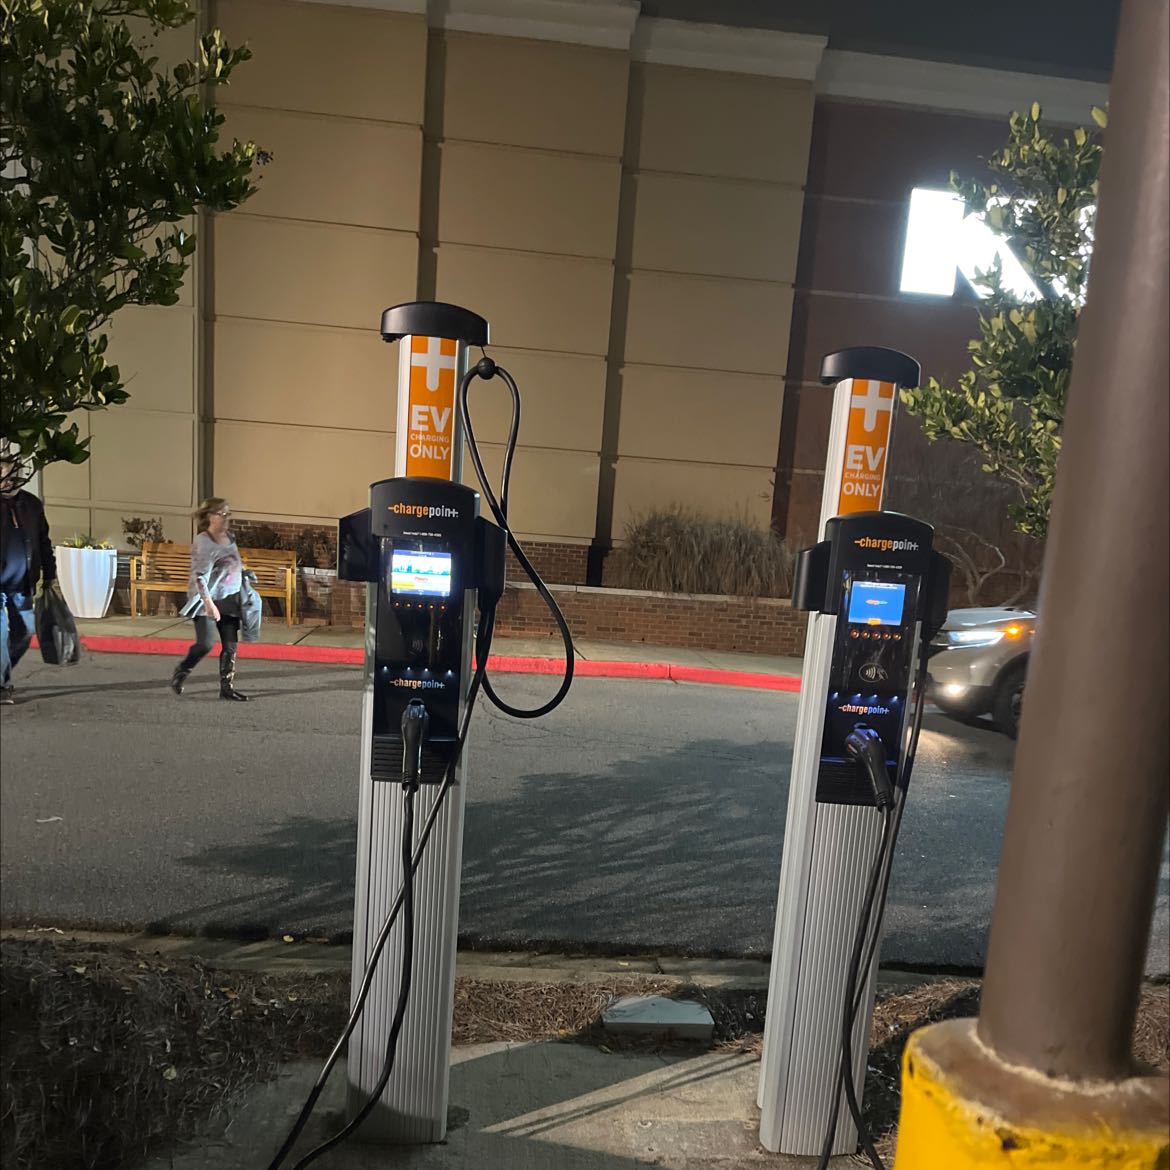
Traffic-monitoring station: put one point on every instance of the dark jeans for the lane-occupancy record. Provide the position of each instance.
(17, 626)
(229, 637)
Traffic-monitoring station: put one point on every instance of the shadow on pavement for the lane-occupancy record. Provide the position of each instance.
(42, 693)
(565, 848)
(685, 841)
(313, 860)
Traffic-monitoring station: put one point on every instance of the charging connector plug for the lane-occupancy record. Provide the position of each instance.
(866, 747)
(415, 723)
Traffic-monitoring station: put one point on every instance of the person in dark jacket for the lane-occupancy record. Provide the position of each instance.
(26, 560)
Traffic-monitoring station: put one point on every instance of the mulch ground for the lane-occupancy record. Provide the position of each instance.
(109, 1055)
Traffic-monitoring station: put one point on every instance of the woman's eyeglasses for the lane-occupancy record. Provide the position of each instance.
(223, 512)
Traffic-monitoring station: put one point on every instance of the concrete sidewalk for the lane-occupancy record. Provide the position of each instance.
(333, 645)
(529, 1106)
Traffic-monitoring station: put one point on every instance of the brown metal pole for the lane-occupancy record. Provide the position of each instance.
(1087, 817)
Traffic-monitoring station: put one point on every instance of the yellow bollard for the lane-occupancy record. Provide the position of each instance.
(964, 1109)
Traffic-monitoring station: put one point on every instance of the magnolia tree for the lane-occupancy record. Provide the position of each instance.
(106, 156)
(1040, 198)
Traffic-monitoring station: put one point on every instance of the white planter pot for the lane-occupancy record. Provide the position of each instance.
(87, 579)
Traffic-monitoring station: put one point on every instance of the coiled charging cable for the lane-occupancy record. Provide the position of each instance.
(487, 369)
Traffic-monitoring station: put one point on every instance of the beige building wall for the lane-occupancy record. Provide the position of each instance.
(627, 224)
(300, 409)
(621, 196)
(144, 455)
(713, 195)
(527, 158)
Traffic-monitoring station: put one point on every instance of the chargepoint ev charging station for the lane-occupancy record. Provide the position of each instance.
(875, 590)
(424, 532)
(434, 568)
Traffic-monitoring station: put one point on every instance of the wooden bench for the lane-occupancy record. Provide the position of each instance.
(166, 568)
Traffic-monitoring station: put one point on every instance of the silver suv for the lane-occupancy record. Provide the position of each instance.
(978, 663)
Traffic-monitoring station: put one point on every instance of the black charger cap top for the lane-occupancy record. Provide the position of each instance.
(434, 319)
(871, 362)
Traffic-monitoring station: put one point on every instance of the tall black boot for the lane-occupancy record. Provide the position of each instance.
(227, 676)
(179, 677)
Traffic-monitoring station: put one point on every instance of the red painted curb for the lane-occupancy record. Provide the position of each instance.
(735, 678)
(503, 663)
(594, 668)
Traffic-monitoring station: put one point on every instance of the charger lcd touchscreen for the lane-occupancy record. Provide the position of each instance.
(420, 574)
(876, 603)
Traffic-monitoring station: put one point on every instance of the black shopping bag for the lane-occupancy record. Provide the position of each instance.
(56, 629)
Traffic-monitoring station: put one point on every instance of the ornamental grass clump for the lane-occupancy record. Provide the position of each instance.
(678, 550)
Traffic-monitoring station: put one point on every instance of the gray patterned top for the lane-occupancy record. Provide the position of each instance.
(216, 566)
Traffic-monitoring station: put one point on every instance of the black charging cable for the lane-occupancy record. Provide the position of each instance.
(487, 369)
(891, 801)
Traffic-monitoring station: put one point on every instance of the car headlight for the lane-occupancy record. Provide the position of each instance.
(974, 637)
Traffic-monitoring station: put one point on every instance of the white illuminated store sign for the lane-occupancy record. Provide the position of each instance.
(941, 237)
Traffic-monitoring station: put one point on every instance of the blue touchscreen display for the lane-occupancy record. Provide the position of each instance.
(876, 603)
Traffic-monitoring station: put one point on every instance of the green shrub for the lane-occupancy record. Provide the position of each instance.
(85, 540)
(677, 550)
(313, 546)
(140, 530)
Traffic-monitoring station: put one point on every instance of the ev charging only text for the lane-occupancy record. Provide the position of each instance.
(868, 461)
(430, 421)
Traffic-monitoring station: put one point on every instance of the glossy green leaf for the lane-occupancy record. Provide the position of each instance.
(116, 153)
(1009, 405)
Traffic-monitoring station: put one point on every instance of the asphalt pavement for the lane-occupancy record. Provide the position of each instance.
(640, 816)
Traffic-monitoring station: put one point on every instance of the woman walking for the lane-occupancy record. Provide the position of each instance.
(213, 597)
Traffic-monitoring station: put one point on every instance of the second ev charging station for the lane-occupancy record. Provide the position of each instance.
(875, 591)
(435, 571)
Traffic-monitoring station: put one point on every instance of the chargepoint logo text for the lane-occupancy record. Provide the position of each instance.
(880, 544)
(860, 709)
(426, 511)
(417, 684)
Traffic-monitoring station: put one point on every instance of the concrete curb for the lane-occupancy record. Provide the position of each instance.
(317, 957)
(503, 663)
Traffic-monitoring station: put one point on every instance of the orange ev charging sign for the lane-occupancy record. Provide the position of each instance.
(867, 442)
(430, 412)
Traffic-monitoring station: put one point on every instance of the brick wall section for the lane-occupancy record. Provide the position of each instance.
(289, 533)
(738, 624)
(242, 526)
(315, 596)
(561, 564)
(348, 604)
